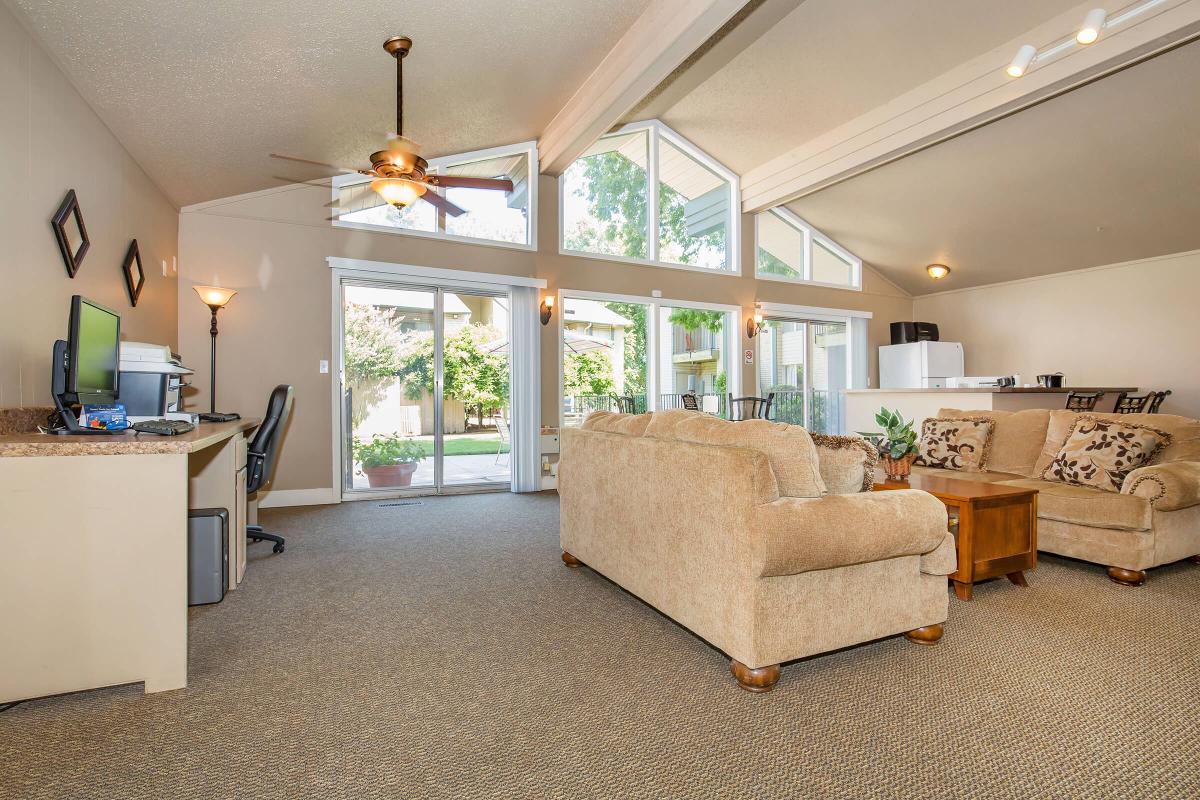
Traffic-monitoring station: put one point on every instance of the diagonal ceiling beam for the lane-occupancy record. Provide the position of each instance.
(967, 97)
(662, 38)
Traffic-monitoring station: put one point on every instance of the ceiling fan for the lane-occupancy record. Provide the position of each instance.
(399, 173)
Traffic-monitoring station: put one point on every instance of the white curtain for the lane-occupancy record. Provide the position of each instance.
(526, 391)
(860, 366)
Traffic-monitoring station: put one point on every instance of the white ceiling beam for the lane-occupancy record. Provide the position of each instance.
(662, 38)
(967, 97)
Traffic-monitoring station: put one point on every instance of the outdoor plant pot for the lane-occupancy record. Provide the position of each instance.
(898, 469)
(389, 475)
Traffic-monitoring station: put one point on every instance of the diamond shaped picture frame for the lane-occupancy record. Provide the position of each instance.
(135, 278)
(72, 244)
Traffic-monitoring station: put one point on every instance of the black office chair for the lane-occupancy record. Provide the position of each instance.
(263, 453)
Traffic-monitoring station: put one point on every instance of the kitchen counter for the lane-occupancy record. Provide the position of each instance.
(920, 404)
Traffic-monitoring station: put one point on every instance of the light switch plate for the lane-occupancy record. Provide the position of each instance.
(324, 367)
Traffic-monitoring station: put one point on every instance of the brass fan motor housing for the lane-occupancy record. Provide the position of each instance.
(398, 46)
(384, 165)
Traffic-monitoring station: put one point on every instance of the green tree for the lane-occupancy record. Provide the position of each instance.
(768, 264)
(372, 342)
(693, 319)
(469, 372)
(587, 373)
(635, 345)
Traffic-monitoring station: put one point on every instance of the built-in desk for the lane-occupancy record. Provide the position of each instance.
(93, 553)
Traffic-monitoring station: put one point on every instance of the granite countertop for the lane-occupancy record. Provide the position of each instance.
(1007, 390)
(128, 443)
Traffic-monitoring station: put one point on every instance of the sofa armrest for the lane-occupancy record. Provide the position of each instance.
(1168, 487)
(793, 535)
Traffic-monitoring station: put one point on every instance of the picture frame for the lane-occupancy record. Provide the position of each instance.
(70, 233)
(135, 277)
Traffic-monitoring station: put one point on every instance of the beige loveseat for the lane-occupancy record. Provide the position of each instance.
(686, 512)
(1153, 520)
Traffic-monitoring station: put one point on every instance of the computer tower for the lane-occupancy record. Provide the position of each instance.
(208, 555)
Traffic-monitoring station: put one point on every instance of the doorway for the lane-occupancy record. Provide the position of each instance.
(424, 376)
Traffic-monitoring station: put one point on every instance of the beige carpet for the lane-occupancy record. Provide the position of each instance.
(442, 650)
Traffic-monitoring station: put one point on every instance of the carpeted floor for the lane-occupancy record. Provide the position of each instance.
(442, 650)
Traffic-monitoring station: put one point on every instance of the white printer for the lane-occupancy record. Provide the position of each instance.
(151, 379)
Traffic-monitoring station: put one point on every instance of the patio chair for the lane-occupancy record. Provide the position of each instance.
(742, 408)
(625, 405)
(505, 436)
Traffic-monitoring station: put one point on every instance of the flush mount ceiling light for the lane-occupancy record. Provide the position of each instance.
(1021, 61)
(937, 271)
(1093, 23)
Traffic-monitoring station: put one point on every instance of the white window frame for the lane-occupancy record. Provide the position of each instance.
(733, 366)
(810, 235)
(657, 130)
(528, 149)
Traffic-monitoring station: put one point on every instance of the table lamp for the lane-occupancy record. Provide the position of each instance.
(215, 298)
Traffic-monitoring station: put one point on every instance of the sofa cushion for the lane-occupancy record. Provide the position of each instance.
(662, 423)
(847, 463)
(789, 448)
(1017, 437)
(1185, 435)
(955, 444)
(611, 422)
(1100, 453)
(1084, 506)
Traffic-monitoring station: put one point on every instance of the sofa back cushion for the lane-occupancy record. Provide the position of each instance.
(1184, 431)
(788, 448)
(662, 423)
(847, 463)
(611, 422)
(1017, 437)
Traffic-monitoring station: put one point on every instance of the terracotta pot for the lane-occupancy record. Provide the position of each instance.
(897, 469)
(389, 475)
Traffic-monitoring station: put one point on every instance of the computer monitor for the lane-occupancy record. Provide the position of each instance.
(93, 352)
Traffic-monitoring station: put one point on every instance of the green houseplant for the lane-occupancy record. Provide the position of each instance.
(388, 460)
(897, 444)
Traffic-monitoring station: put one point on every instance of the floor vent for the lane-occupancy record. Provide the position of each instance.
(401, 503)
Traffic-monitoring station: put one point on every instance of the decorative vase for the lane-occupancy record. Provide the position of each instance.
(898, 469)
(389, 475)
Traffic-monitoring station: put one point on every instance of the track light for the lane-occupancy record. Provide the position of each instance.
(1021, 61)
(1093, 23)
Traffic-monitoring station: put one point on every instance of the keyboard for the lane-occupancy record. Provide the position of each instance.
(163, 427)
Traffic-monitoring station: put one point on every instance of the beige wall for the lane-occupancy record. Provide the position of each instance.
(272, 246)
(1130, 324)
(50, 142)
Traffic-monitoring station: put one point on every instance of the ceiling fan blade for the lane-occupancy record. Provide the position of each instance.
(322, 182)
(310, 162)
(462, 182)
(439, 202)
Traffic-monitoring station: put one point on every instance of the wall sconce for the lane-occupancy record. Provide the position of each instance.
(937, 271)
(753, 324)
(547, 308)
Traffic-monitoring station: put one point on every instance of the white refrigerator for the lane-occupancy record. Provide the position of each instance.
(919, 365)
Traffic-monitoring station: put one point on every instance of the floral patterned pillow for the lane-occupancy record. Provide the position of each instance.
(1100, 453)
(960, 444)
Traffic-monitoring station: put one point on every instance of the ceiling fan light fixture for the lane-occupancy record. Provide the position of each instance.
(398, 192)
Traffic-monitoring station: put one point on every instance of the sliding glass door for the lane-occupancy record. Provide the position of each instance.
(806, 364)
(424, 387)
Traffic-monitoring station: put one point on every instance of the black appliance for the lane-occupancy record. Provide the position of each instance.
(905, 332)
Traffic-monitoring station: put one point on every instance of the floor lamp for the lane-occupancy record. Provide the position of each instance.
(215, 298)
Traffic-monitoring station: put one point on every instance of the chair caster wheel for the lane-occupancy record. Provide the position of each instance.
(277, 548)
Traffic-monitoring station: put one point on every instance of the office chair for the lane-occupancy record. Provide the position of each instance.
(263, 452)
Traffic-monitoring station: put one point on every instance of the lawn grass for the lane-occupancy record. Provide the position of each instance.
(482, 445)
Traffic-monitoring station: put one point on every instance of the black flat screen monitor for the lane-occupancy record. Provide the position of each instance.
(93, 352)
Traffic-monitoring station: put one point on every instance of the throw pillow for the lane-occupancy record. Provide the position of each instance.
(959, 444)
(1099, 453)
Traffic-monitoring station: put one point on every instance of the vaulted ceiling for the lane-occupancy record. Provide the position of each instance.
(201, 92)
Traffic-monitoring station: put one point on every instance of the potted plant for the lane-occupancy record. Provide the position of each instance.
(897, 444)
(388, 460)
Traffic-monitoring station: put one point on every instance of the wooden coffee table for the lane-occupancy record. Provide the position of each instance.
(997, 526)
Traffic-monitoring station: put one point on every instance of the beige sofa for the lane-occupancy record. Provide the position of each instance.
(695, 524)
(1154, 520)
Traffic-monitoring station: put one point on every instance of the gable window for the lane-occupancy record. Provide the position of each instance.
(646, 195)
(789, 249)
(491, 216)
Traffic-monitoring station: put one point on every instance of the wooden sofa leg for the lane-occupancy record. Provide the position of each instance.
(1127, 577)
(928, 634)
(571, 561)
(758, 680)
(1194, 559)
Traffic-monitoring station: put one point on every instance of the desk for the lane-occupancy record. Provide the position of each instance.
(93, 553)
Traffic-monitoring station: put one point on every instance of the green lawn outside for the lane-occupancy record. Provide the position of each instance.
(457, 445)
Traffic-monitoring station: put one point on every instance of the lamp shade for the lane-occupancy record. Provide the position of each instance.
(214, 295)
(398, 191)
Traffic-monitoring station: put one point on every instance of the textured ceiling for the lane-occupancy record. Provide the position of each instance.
(201, 92)
(830, 61)
(1107, 173)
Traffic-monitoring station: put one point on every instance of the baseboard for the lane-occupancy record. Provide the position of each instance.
(278, 498)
